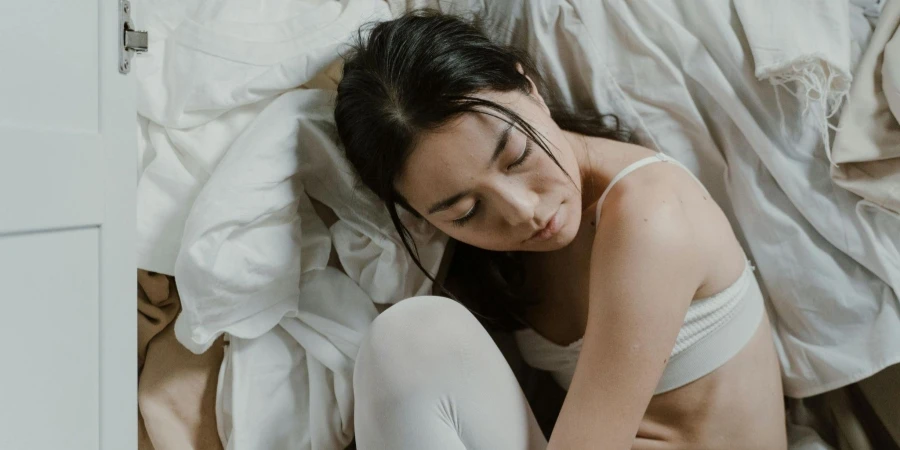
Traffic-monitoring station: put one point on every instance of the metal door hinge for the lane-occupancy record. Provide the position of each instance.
(131, 41)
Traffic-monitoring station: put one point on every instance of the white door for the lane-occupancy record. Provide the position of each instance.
(67, 264)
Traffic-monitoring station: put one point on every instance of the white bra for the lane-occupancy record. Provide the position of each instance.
(714, 330)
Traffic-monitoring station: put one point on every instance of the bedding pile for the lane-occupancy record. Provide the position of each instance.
(237, 135)
(235, 114)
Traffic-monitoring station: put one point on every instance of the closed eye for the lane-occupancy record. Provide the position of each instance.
(525, 153)
(469, 215)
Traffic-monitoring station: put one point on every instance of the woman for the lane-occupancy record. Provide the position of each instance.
(648, 313)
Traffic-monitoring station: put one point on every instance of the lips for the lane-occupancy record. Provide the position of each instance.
(553, 226)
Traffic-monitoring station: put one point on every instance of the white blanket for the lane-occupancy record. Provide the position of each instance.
(231, 149)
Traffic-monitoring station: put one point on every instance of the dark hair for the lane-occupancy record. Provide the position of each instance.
(414, 74)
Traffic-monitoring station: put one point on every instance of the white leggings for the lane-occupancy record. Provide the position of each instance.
(428, 376)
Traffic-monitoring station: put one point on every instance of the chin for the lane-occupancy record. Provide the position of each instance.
(558, 242)
(563, 239)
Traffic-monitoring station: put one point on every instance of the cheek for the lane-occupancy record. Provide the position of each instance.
(549, 176)
(481, 236)
(569, 163)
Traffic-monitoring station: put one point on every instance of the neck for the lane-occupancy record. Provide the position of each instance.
(586, 157)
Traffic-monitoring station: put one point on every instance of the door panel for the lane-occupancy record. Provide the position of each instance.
(50, 358)
(67, 226)
(50, 179)
(50, 62)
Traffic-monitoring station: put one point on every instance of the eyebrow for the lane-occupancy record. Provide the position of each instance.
(445, 204)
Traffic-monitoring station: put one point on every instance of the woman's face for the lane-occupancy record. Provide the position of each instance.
(482, 182)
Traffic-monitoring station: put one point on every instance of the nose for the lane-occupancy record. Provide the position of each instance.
(516, 204)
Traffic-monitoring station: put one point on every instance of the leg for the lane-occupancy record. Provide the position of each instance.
(429, 376)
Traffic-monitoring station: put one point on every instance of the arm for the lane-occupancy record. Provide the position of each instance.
(644, 273)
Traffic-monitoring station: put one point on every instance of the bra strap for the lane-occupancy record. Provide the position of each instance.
(623, 173)
(658, 157)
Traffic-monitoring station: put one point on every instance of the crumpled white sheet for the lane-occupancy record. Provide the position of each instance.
(291, 388)
(212, 67)
(288, 369)
(804, 47)
(230, 151)
(682, 75)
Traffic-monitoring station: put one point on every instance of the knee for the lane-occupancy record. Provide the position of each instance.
(428, 311)
(417, 334)
(426, 321)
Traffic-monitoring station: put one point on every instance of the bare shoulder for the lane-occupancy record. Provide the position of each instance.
(648, 205)
(647, 225)
(660, 218)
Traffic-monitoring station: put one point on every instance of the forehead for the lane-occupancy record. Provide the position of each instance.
(467, 135)
(471, 133)
(449, 159)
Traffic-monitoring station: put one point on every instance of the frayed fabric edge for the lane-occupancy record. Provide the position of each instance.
(815, 82)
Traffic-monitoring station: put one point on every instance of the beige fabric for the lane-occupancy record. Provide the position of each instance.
(399, 7)
(851, 434)
(890, 73)
(176, 388)
(882, 391)
(327, 79)
(867, 144)
(158, 304)
(841, 418)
